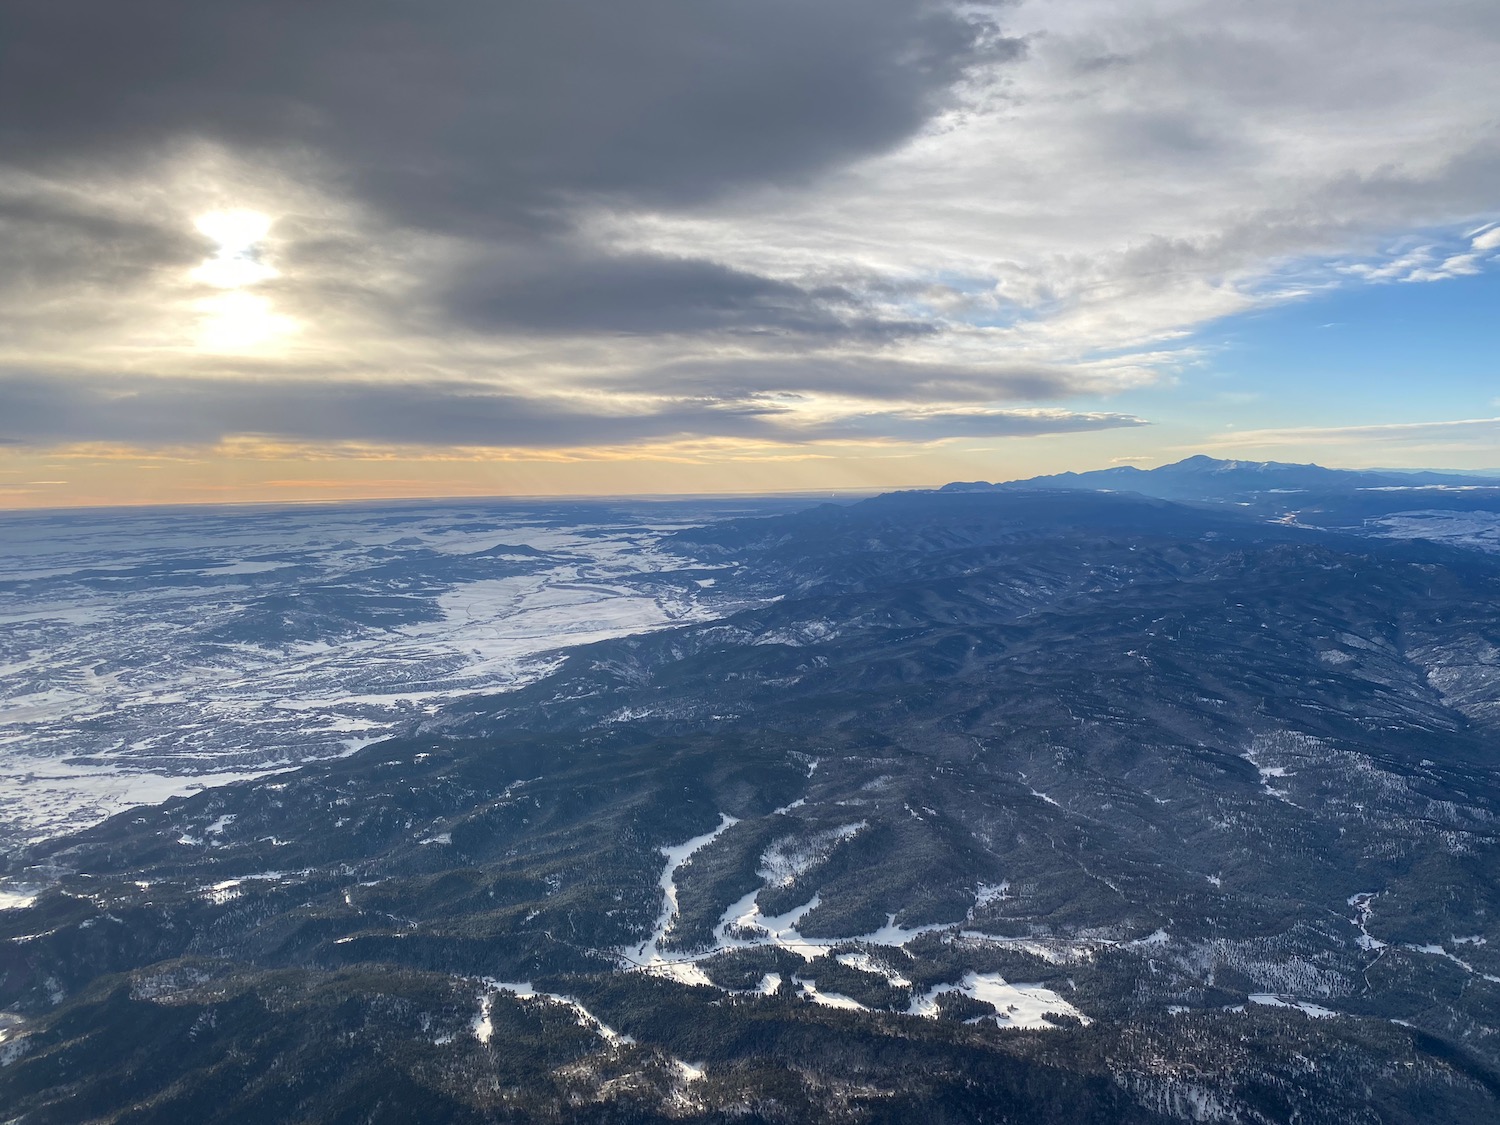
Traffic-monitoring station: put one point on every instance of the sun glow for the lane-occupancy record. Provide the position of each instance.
(237, 261)
(237, 321)
(234, 322)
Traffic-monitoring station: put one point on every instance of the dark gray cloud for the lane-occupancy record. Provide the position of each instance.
(464, 113)
(52, 239)
(573, 290)
(53, 408)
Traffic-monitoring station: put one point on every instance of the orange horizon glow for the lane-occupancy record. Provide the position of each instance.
(254, 471)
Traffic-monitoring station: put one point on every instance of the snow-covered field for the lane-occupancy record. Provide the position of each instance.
(154, 652)
(1478, 531)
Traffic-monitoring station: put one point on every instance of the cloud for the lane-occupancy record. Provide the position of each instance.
(465, 113)
(56, 239)
(172, 411)
(58, 409)
(1423, 263)
(1485, 431)
(1215, 164)
(944, 425)
(1454, 265)
(872, 379)
(566, 290)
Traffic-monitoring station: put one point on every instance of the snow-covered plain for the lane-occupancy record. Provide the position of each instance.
(1478, 531)
(150, 653)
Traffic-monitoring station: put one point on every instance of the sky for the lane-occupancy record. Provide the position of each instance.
(268, 250)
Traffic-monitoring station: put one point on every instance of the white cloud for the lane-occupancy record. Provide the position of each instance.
(1487, 240)
(1455, 265)
(1476, 433)
(1399, 268)
(1425, 263)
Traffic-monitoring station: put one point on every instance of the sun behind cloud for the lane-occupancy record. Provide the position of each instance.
(237, 261)
(237, 321)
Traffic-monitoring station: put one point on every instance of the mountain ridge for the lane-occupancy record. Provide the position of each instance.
(1201, 477)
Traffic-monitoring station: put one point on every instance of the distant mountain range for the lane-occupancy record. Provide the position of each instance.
(1211, 479)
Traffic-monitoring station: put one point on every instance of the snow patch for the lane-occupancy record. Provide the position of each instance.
(810, 991)
(483, 1028)
(1016, 1005)
(792, 856)
(1270, 999)
(1268, 774)
(743, 926)
(987, 893)
(1363, 908)
(650, 955)
(867, 964)
(16, 899)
